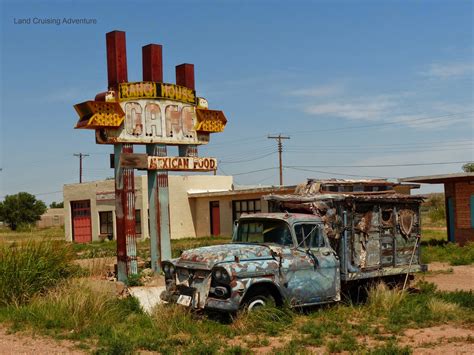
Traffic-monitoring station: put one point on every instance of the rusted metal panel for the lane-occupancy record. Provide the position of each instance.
(134, 161)
(125, 216)
(152, 62)
(116, 58)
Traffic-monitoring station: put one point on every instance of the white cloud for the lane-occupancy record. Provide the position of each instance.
(368, 109)
(449, 70)
(319, 91)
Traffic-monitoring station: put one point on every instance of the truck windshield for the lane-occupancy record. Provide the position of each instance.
(263, 231)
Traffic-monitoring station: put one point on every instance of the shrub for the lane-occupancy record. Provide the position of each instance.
(383, 299)
(27, 269)
(22, 208)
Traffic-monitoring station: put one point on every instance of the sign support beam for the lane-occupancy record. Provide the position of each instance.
(125, 215)
(158, 201)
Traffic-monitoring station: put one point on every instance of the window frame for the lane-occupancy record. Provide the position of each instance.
(238, 210)
(108, 223)
(320, 230)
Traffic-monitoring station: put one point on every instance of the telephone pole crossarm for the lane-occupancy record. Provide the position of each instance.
(81, 156)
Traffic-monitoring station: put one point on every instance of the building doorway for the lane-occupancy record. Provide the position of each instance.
(81, 221)
(215, 218)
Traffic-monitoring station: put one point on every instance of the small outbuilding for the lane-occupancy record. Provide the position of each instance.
(459, 199)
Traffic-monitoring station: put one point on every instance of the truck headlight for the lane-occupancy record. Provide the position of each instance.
(221, 275)
(169, 270)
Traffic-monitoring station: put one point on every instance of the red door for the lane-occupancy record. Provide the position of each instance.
(215, 218)
(81, 221)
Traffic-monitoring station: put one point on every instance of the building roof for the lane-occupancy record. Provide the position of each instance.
(241, 190)
(439, 179)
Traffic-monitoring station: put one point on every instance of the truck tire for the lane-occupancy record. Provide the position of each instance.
(257, 301)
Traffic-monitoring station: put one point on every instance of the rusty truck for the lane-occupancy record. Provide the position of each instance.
(327, 238)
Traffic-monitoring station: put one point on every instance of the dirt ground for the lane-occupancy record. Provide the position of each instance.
(446, 339)
(21, 343)
(450, 278)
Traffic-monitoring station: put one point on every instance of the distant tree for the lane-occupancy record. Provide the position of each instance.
(55, 204)
(22, 208)
(468, 168)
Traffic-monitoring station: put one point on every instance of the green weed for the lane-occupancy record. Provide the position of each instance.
(390, 348)
(447, 252)
(30, 268)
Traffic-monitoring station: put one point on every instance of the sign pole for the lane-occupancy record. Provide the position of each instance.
(125, 215)
(154, 207)
(164, 214)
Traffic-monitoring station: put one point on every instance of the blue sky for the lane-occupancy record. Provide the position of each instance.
(353, 83)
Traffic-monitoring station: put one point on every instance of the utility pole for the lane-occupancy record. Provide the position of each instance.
(280, 150)
(81, 156)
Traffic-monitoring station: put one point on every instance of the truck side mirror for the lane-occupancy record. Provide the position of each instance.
(234, 227)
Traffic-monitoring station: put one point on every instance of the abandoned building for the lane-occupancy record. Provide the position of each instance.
(459, 200)
(200, 205)
(53, 217)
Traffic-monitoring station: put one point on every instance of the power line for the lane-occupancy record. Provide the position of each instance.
(378, 151)
(279, 139)
(254, 171)
(406, 144)
(339, 174)
(247, 160)
(378, 166)
(435, 118)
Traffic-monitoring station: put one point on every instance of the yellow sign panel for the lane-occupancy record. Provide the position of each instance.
(210, 121)
(99, 114)
(153, 90)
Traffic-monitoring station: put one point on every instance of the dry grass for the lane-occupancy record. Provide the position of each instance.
(31, 234)
(381, 298)
(443, 310)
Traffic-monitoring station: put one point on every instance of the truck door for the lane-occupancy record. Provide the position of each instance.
(315, 276)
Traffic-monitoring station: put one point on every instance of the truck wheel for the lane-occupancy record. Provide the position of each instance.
(258, 301)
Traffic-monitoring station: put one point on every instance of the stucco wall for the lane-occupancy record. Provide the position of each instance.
(185, 214)
(53, 217)
(203, 213)
(101, 196)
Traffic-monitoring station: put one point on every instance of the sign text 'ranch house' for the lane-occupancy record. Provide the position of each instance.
(152, 90)
(181, 163)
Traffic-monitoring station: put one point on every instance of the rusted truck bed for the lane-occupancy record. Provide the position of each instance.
(374, 234)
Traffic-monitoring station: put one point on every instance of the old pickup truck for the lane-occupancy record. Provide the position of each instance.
(315, 246)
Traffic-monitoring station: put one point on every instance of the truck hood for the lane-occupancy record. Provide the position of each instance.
(207, 257)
